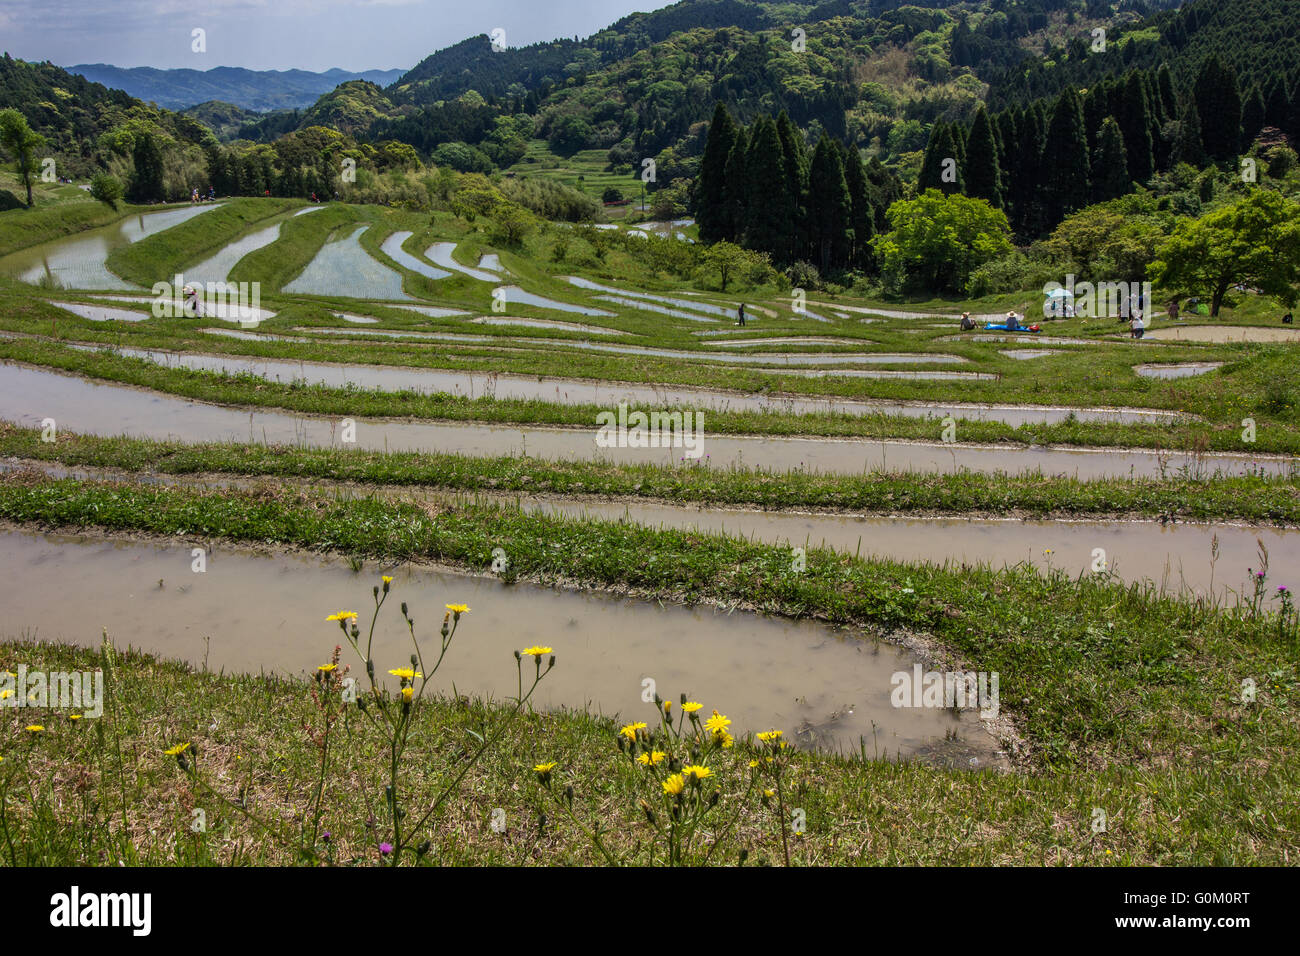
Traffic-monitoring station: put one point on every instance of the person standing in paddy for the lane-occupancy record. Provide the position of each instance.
(740, 314)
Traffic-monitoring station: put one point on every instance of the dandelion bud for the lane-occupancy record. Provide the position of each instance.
(370, 668)
(377, 591)
(713, 798)
(404, 614)
(683, 700)
(744, 855)
(517, 656)
(568, 795)
(423, 848)
(649, 813)
(361, 703)
(446, 629)
(356, 631)
(415, 661)
(551, 662)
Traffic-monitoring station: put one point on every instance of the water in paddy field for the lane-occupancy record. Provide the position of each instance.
(343, 268)
(549, 324)
(28, 396)
(694, 305)
(1224, 333)
(77, 262)
(392, 248)
(440, 253)
(517, 296)
(1176, 557)
(651, 307)
(217, 268)
(579, 392)
(1182, 370)
(254, 613)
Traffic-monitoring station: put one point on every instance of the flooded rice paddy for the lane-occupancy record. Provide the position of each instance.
(255, 612)
(28, 396)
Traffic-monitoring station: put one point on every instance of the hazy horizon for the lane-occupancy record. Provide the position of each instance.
(313, 35)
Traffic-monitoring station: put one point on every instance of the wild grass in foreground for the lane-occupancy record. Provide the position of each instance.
(107, 792)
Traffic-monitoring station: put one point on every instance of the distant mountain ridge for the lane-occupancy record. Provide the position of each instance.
(260, 90)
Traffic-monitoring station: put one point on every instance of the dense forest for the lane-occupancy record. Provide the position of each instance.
(793, 129)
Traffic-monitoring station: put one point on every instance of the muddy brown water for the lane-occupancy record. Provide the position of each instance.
(254, 612)
(28, 396)
(1224, 333)
(578, 392)
(1175, 557)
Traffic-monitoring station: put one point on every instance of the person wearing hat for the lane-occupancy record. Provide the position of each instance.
(1012, 323)
(967, 323)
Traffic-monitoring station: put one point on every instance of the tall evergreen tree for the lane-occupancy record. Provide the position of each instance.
(735, 193)
(829, 207)
(1188, 146)
(795, 160)
(983, 177)
(1277, 103)
(940, 167)
(886, 189)
(710, 188)
(1007, 147)
(1252, 117)
(769, 209)
(1110, 176)
(1135, 123)
(1065, 164)
(1168, 99)
(862, 213)
(1095, 106)
(1218, 104)
(147, 181)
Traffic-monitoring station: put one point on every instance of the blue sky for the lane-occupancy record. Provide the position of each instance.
(285, 34)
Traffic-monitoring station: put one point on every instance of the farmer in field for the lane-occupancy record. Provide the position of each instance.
(1013, 324)
(740, 314)
(1137, 328)
(967, 323)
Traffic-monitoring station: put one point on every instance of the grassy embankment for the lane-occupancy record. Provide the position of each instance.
(1127, 702)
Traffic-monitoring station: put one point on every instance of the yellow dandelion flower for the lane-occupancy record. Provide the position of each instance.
(387, 579)
(544, 767)
(630, 730)
(668, 706)
(769, 793)
(717, 724)
(405, 673)
(753, 764)
(326, 668)
(343, 616)
(724, 738)
(651, 759)
(408, 693)
(457, 608)
(674, 784)
(74, 716)
(537, 652)
(34, 728)
(691, 706)
(177, 750)
(5, 695)
(770, 736)
(696, 771)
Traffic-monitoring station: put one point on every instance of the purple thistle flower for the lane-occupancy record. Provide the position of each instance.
(385, 849)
